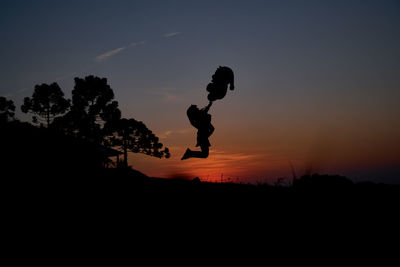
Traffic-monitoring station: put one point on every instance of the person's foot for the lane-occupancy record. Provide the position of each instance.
(186, 155)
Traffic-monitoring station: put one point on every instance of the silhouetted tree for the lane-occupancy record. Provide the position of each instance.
(134, 136)
(92, 107)
(7, 109)
(47, 102)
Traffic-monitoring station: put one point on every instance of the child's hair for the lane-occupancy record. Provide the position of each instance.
(224, 75)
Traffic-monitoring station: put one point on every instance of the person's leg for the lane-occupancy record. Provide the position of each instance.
(199, 154)
(196, 154)
(205, 151)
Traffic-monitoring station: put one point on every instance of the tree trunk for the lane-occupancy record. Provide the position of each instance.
(125, 156)
(48, 117)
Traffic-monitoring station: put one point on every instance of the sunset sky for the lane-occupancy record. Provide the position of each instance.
(317, 82)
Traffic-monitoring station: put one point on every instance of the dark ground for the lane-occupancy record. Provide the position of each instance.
(125, 211)
(55, 184)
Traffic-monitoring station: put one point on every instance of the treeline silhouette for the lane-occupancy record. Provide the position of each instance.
(71, 138)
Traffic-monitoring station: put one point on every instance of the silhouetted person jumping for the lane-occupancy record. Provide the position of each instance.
(201, 120)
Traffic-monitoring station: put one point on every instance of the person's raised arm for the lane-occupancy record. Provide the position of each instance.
(206, 108)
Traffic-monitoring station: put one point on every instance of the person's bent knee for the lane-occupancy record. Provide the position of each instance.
(205, 151)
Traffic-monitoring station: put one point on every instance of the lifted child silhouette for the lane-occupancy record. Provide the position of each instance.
(200, 118)
(219, 83)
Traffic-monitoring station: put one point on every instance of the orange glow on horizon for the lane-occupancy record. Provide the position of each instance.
(326, 154)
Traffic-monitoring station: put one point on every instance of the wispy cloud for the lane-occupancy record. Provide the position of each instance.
(137, 43)
(171, 34)
(167, 133)
(170, 97)
(173, 95)
(167, 95)
(108, 54)
(111, 53)
(20, 91)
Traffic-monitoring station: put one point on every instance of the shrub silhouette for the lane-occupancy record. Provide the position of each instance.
(323, 182)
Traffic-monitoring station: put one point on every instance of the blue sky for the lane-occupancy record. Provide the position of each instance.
(302, 67)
